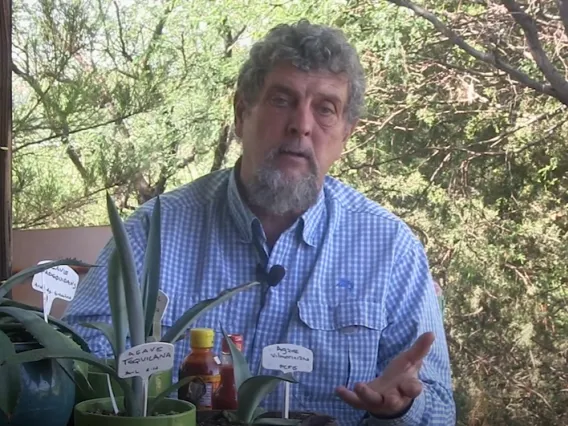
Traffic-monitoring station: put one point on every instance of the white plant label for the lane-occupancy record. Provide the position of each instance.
(288, 358)
(161, 305)
(59, 282)
(144, 360)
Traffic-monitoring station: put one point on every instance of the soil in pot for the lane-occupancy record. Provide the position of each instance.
(169, 412)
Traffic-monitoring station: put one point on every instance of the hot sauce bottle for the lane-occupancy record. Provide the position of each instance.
(203, 366)
(225, 397)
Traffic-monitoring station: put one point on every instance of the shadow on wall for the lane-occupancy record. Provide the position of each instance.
(33, 246)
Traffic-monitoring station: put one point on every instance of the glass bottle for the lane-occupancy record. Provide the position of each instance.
(225, 397)
(203, 366)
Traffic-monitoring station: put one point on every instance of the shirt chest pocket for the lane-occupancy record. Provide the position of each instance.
(345, 342)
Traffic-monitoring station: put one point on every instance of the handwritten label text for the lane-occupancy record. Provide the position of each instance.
(146, 359)
(287, 358)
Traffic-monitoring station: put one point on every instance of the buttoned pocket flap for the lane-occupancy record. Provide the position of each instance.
(354, 314)
(317, 316)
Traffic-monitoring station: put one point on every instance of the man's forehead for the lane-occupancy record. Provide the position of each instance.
(291, 79)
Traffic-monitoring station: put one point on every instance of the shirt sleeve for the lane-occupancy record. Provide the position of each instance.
(90, 303)
(413, 308)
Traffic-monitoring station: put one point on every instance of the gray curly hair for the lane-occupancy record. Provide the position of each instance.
(308, 47)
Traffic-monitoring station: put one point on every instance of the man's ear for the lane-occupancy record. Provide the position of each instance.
(239, 108)
(349, 129)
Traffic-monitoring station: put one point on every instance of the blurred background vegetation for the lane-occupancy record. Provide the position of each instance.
(465, 138)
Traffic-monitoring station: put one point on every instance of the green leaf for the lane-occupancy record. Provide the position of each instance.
(240, 364)
(177, 329)
(81, 374)
(132, 293)
(151, 271)
(62, 326)
(78, 355)
(254, 390)
(70, 372)
(24, 275)
(107, 330)
(9, 377)
(164, 394)
(44, 333)
(128, 268)
(277, 421)
(117, 302)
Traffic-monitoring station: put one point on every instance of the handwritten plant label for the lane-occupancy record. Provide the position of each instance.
(161, 305)
(146, 359)
(59, 282)
(288, 358)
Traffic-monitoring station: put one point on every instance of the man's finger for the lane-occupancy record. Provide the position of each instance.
(368, 396)
(420, 348)
(410, 388)
(349, 397)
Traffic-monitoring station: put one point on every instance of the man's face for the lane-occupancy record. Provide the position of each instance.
(292, 135)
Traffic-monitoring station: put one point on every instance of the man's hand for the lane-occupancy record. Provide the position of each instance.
(393, 392)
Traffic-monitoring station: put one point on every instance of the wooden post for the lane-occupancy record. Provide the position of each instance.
(5, 139)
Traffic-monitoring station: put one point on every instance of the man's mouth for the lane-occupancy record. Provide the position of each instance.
(294, 154)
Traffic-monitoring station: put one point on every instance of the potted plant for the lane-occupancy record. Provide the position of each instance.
(251, 390)
(41, 391)
(132, 305)
(116, 331)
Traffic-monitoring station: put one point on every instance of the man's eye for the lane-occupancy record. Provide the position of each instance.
(279, 101)
(326, 110)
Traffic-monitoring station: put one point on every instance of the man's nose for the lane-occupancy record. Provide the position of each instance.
(301, 121)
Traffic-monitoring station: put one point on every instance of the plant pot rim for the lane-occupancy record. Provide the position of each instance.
(183, 406)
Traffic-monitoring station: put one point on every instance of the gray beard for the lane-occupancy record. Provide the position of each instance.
(278, 194)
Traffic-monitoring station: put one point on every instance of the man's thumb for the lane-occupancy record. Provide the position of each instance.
(420, 348)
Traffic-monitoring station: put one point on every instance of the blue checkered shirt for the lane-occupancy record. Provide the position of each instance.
(357, 291)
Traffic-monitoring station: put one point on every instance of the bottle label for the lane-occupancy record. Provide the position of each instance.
(199, 391)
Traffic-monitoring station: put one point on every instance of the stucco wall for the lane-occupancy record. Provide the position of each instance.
(32, 246)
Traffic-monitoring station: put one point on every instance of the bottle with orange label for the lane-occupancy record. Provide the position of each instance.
(203, 366)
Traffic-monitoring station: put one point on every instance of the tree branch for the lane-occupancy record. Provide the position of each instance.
(223, 143)
(77, 130)
(563, 9)
(488, 58)
(123, 50)
(68, 205)
(528, 25)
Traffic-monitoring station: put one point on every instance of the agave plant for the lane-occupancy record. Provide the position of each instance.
(132, 304)
(251, 390)
(19, 321)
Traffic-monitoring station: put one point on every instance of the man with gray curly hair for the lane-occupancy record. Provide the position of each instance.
(341, 275)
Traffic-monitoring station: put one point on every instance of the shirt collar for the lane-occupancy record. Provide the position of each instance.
(248, 224)
(241, 214)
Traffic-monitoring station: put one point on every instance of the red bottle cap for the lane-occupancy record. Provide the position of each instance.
(237, 340)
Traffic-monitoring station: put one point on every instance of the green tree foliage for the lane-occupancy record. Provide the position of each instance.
(465, 137)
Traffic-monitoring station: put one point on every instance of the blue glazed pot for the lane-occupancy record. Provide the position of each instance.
(47, 393)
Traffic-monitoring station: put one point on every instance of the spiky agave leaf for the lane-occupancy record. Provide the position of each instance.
(240, 364)
(151, 269)
(117, 304)
(253, 390)
(9, 377)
